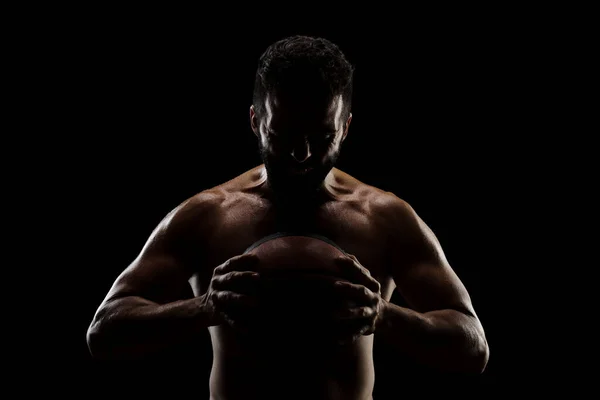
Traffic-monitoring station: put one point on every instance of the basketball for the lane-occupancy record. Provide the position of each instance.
(297, 272)
(294, 253)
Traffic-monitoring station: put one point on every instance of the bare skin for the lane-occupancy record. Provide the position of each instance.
(201, 241)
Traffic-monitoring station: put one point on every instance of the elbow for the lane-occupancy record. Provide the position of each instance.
(94, 339)
(474, 353)
(99, 345)
(91, 339)
(480, 356)
(469, 360)
(485, 356)
(96, 336)
(478, 349)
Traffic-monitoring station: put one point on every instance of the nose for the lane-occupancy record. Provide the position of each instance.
(301, 151)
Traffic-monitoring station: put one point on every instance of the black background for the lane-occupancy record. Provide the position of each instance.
(148, 108)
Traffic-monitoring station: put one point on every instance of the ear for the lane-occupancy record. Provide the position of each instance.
(347, 126)
(254, 121)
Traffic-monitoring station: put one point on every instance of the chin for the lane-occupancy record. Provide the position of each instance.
(295, 183)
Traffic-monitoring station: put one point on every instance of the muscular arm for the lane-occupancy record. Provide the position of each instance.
(441, 328)
(144, 311)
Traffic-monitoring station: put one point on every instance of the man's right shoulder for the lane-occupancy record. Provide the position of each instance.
(202, 205)
(196, 212)
(207, 206)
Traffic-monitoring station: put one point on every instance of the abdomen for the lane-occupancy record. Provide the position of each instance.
(268, 368)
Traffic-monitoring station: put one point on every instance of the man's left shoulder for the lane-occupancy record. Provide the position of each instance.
(386, 204)
(379, 203)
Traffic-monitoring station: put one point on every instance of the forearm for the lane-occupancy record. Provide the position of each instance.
(131, 326)
(445, 339)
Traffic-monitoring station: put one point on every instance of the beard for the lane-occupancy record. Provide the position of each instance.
(289, 186)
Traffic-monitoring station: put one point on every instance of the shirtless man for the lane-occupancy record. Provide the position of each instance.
(300, 115)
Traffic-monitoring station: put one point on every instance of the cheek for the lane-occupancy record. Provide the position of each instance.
(266, 146)
(263, 142)
(332, 148)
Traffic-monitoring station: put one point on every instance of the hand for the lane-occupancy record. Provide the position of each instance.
(366, 305)
(231, 293)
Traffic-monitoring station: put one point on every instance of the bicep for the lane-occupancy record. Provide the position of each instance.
(421, 272)
(159, 278)
(161, 271)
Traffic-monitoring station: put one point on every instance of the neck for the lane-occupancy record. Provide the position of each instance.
(297, 200)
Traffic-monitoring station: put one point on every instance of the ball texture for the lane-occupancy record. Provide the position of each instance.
(293, 253)
(297, 273)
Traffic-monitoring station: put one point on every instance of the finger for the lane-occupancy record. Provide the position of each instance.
(235, 280)
(355, 272)
(369, 330)
(231, 300)
(307, 281)
(358, 293)
(242, 262)
(347, 340)
(235, 323)
(353, 332)
(356, 313)
(364, 275)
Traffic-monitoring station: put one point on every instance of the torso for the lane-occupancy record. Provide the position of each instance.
(248, 369)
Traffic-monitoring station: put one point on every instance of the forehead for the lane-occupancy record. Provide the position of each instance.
(303, 110)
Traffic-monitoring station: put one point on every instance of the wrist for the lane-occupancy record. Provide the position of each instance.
(382, 320)
(206, 312)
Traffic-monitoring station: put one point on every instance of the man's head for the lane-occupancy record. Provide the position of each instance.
(301, 111)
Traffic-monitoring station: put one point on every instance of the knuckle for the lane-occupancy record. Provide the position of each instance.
(217, 283)
(214, 297)
(232, 276)
(344, 262)
(221, 296)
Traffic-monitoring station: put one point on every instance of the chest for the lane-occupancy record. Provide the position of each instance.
(352, 228)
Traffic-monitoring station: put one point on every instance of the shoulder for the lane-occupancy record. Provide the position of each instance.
(397, 218)
(394, 210)
(392, 214)
(407, 237)
(406, 234)
(203, 210)
(194, 214)
(382, 204)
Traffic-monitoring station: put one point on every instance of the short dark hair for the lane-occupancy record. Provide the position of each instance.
(303, 63)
